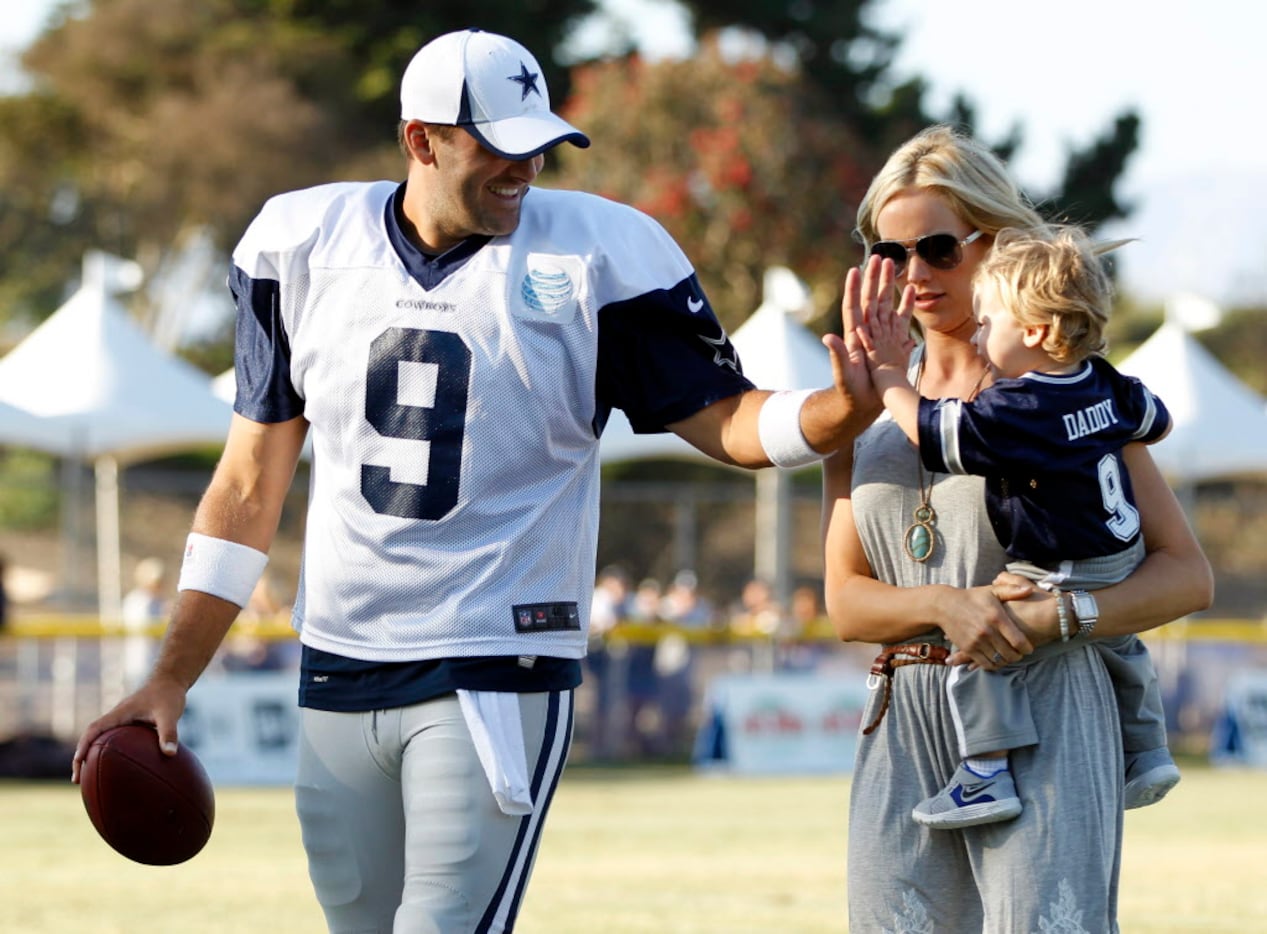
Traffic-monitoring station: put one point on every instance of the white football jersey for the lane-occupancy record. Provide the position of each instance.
(456, 404)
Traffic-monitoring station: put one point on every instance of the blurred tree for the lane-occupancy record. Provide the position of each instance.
(745, 171)
(148, 122)
(826, 81)
(841, 53)
(838, 51)
(1086, 195)
(1240, 343)
(380, 36)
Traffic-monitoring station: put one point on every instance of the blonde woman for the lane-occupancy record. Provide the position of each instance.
(911, 561)
(1047, 435)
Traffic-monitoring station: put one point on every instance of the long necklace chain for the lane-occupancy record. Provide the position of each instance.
(919, 541)
(920, 538)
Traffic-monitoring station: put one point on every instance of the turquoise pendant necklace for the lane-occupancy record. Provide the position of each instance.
(920, 537)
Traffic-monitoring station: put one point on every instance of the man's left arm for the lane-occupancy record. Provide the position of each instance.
(760, 428)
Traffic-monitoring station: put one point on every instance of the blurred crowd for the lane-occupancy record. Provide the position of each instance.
(645, 648)
(653, 646)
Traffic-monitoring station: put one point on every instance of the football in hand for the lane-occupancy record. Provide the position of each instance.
(152, 808)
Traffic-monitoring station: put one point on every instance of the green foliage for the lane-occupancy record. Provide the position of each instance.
(1086, 195)
(838, 51)
(28, 490)
(380, 36)
(147, 121)
(785, 196)
(744, 172)
(37, 204)
(1240, 344)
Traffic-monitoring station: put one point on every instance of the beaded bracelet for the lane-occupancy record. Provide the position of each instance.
(1062, 613)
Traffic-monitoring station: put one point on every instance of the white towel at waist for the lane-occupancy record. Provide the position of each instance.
(497, 730)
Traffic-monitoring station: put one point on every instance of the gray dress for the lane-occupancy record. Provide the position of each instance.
(1055, 868)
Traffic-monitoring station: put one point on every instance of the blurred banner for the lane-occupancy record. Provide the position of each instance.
(244, 727)
(780, 723)
(1239, 736)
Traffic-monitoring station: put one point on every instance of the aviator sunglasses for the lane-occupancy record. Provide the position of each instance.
(939, 250)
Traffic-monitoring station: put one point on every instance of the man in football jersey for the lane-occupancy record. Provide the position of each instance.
(455, 344)
(1047, 435)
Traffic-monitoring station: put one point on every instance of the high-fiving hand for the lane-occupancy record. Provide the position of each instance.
(868, 293)
(884, 331)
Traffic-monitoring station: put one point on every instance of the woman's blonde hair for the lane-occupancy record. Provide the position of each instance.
(1055, 279)
(973, 180)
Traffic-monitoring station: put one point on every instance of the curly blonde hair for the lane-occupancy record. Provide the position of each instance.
(1053, 278)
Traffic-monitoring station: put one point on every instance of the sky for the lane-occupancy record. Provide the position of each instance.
(1194, 71)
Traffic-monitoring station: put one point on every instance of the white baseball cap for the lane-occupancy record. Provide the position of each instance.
(490, 86)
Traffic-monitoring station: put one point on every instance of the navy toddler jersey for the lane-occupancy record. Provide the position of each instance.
(1049, 446)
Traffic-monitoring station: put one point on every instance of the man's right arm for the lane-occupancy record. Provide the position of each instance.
(242, 504)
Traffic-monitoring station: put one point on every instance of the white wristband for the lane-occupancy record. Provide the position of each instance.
(779, 428)
(221, 568)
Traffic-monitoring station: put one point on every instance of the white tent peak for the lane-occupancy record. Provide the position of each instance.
(91, 374)
(225, 386)
(784, 289)
(94, 371)
(110, 275)
(776, 350)
(1220, 424)
(1192, 312)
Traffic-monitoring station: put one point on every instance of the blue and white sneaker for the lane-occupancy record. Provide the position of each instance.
(970, 799)
(1149, 777)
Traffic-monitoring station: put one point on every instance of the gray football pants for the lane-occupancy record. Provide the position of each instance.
(401, 828)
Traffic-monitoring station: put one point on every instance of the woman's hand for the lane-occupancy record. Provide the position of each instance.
(1032, 608)
(982, 628)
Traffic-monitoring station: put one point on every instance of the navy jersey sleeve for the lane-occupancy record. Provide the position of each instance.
(663, 356)
(992, 433)
(261, 352)
(1136, 403)
(931, 443)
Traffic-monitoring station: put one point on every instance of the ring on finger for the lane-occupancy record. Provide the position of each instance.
(998, 657)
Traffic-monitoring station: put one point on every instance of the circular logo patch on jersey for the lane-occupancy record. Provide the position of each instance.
(546, 290)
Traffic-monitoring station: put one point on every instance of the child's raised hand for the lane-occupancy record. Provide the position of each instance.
(885, 335)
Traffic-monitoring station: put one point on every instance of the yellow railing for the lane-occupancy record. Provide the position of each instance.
(88, 626)
(55, 626)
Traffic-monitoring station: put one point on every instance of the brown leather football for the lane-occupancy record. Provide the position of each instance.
(152, 808)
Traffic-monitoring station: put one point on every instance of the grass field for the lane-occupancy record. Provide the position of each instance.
(646, 850)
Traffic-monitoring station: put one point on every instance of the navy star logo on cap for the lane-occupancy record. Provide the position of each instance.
(526, 80)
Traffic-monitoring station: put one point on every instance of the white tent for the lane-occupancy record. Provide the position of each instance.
(225, 386)
(1220, 424)
(20, 428)
(777, 352)
(107, 395)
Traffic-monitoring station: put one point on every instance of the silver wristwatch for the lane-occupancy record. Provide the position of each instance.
(1086, 611)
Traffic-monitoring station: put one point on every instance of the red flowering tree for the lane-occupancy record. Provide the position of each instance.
(735, 157)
